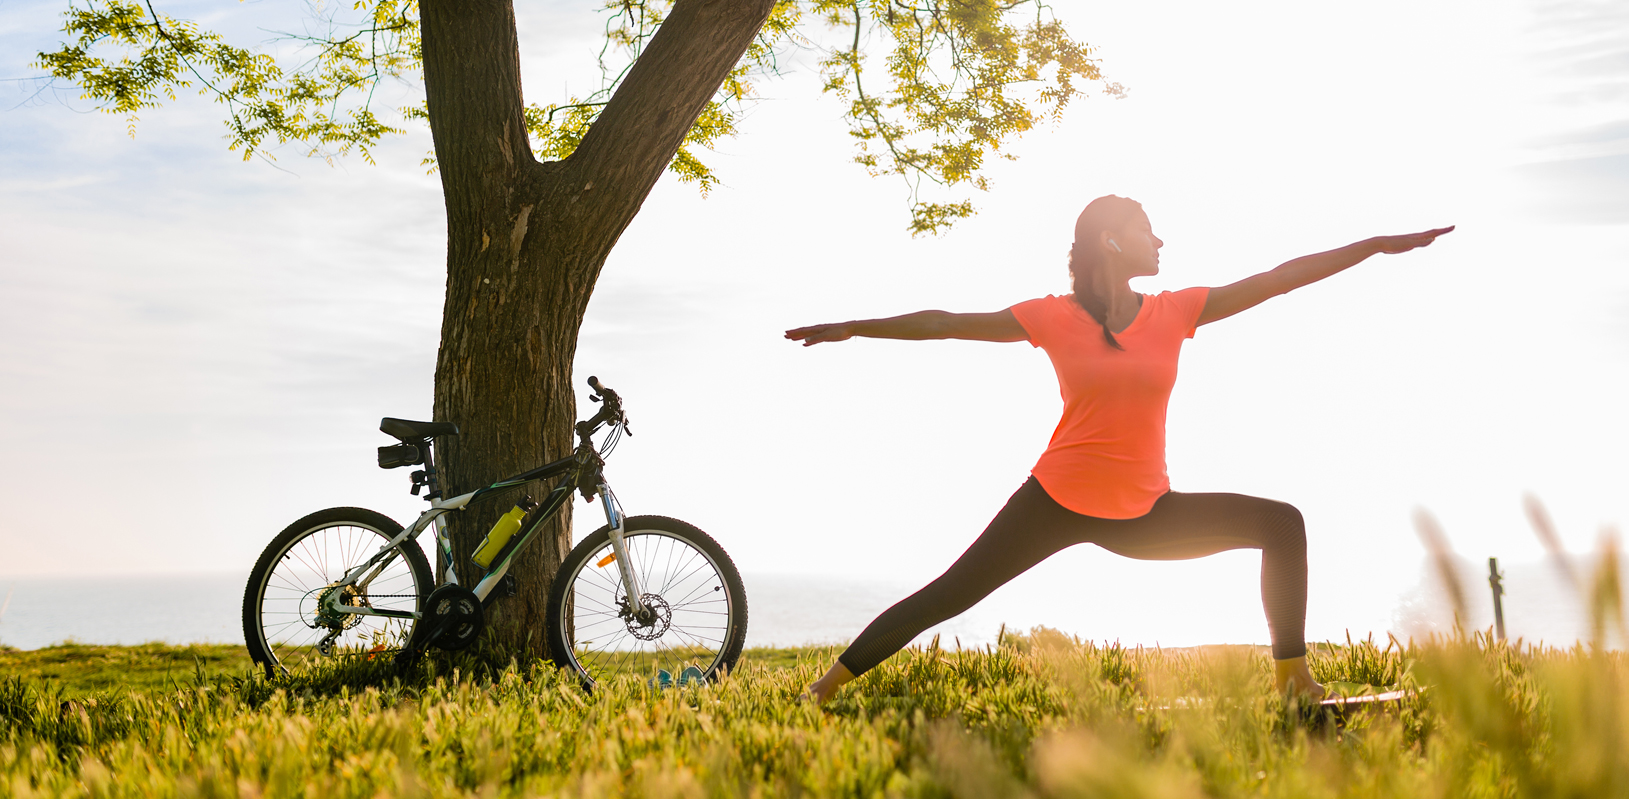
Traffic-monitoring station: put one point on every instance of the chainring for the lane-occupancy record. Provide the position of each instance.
(457, 614)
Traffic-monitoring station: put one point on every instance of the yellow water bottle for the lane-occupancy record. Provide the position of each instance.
(508, 524)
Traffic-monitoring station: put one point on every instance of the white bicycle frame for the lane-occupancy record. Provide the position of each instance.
(363, 574)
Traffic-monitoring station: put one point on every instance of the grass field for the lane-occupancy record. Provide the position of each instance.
(85, 669)
(1041, 715)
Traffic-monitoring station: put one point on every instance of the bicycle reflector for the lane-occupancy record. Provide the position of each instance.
(399, 455)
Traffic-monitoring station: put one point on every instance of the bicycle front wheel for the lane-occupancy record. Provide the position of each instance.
(695, 617)
(283, 620)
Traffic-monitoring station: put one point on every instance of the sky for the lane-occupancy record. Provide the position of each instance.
(195, 350)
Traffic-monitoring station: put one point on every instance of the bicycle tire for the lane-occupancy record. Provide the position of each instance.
(676, 557)
(308, 555)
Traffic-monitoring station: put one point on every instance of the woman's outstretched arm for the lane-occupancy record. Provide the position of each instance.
(1228, 300)
(998, 326)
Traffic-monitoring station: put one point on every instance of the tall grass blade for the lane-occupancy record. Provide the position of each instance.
(1544, 528)
(1442, 557)
(1606, 593)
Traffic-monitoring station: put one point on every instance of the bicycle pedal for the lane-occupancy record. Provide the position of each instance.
(406, 659)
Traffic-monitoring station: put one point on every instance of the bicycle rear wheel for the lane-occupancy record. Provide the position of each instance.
(698, 608)
(281, 618)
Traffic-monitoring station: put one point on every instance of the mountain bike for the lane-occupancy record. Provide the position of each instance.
(640, 595)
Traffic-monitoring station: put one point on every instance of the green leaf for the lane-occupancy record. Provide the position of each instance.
(958, 81)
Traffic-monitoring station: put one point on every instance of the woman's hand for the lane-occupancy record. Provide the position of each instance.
(1393, 245)
(1225, 301)
(815, 334)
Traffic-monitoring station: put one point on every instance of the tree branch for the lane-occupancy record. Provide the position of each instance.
(473, 95)
(646, 120)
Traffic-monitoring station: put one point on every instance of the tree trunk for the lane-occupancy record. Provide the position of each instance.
(525, 244)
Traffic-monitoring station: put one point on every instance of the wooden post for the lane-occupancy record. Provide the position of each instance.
(1495, 580)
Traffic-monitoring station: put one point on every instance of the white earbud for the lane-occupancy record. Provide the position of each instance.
(1115, 246)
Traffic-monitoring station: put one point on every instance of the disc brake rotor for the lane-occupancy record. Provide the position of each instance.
(654, 622)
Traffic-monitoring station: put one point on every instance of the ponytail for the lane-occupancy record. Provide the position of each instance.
(1087, 296)
(1086, 260)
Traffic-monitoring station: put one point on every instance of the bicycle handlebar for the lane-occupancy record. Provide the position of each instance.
(601, 391)
(610, 412)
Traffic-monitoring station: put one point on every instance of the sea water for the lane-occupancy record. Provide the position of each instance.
(785, 610)
(798, 610)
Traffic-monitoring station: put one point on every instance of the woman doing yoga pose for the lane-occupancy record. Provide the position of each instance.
(1102, 478)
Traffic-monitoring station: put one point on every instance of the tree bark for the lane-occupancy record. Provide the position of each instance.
(525, 245)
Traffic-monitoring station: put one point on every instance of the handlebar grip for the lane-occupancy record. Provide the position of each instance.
(594, 383)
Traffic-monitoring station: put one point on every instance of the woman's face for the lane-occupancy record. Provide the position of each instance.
(1139, 253)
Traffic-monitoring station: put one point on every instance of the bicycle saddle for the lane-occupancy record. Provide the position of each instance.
(405, 430)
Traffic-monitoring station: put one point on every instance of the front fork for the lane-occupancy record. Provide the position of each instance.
(619, 550)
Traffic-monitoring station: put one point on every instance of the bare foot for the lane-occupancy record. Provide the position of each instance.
(823, 688)
(1293, 678)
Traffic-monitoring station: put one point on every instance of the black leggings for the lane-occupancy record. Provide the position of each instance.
(1033, 526)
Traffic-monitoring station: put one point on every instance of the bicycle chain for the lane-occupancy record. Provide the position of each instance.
(371, 652)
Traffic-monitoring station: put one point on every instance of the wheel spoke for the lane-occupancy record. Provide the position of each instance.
(679, 579)
(290, 593)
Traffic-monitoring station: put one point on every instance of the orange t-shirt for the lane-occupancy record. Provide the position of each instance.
(1107, 457)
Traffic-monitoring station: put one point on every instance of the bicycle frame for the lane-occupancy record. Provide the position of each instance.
(363, 574)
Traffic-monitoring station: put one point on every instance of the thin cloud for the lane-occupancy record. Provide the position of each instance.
(1579, 173)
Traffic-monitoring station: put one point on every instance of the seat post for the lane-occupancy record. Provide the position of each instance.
(431, 479)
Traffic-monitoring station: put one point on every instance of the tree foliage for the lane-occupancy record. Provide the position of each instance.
(958, 80)
(324, 100)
